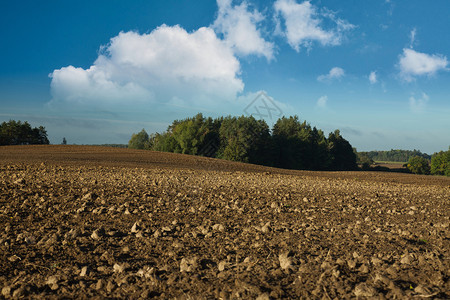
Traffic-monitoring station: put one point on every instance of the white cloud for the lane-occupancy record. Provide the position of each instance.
(384, 26)
(239, 27)
(412, 38)
(165, 65)
(322, 102)
(335, 73)
(304, 24)
(262, 106)
(412, 63)
(419, 104)
(373, 77)
(391, 7)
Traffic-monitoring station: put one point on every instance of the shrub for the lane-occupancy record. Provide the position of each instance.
(418, 165)
(440, 163)
(364, 160)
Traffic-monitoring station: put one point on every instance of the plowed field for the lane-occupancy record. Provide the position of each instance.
(93, 222)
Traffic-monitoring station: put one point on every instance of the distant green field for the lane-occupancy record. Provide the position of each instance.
(112, 145)
(390, 162)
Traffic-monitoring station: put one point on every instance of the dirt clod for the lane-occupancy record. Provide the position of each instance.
(6, 291)
(364, 290)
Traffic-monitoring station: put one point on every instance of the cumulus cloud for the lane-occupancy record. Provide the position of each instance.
(418, 104)
(322, 102)
(239, 28)
(304, 24)
(335, 73)
(373, 77)
(413, 63)
(167, 64)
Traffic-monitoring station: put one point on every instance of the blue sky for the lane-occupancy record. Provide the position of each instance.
(97, 71)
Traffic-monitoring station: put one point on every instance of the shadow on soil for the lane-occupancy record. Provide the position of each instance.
(386, 169)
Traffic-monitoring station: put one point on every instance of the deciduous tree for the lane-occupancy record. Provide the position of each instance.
(418, 165)
(440, 163)
(139, 140)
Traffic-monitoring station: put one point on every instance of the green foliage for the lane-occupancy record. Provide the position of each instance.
(298, 146)
(343, 157)
(193, 134)
(418, 165)
(244, 139)
(189, 136)
(164, 142)
(394, 155)
(292, 144)
(440, 163)
(139, 140)
(112, 145)
(364, 160)
(18, 133)
(288, 142)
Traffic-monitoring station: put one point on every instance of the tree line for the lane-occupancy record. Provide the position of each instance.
(290, 144)
(21, 133)
(393, 155)
(416, 161)
(439, 165)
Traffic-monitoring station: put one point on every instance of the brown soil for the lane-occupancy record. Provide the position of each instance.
(94, 222)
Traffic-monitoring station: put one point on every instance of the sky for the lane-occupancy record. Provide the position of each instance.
(95, 72)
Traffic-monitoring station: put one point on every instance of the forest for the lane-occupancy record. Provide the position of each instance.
(290, 144)
(394, 155)
(21, 133)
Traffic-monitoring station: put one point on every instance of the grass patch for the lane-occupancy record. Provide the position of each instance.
(390, 162)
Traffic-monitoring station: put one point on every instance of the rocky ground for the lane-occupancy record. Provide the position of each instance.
(86, 222)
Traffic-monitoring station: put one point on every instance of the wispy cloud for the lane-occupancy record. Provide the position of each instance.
(351, 131)
(373, 77)
(391, 5)
(322, 102)
(412, 38)
(384, 26)
(418, 104)
(378, 134)
(335, 73)
(303, 24)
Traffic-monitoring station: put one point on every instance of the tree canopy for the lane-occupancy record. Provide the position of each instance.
(419, 165)
(364, 160)
(394, 155)
(342, 155)
(139, 140)
(440, 163)
(21, 133)
(244, 139)
(290, 144)
(299, 146)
